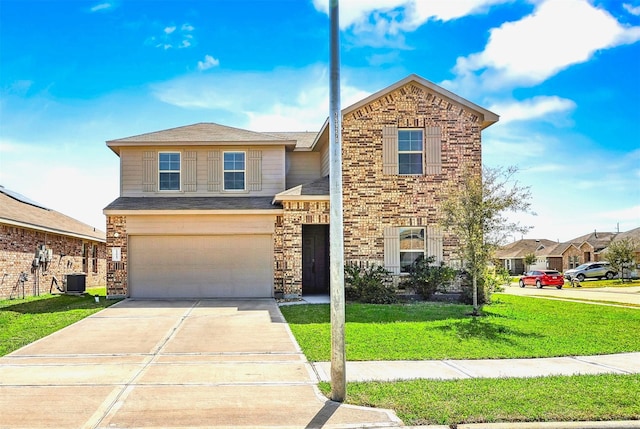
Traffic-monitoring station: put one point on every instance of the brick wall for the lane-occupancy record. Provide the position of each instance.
(17, 251)
(288, 242)
(373, 200)
(117, 270)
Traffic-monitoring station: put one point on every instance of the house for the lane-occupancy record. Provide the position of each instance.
(43, 244)
(208, 210)
(561, 256)
(512, 256)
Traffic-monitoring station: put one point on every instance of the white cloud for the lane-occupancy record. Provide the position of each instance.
(174, 37)
(633, 10)
(101, 6)
(281, 99)
(625, 214)
(383, 22)
(535, 108)
(208, 63)
(559, 33)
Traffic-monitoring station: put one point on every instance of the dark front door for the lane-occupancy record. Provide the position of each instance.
(315, 259)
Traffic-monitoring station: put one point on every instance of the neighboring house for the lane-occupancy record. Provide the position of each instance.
(561, 256)
(61, 244)
(207, 210)
(512, 255)
(590, 248)
(634, 236)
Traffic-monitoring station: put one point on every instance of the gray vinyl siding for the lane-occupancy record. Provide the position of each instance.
(324, 161)
(138, 172)
(303, 167)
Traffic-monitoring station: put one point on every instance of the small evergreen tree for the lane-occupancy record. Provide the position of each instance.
(621, 255)
(474, 211)
(529, 259)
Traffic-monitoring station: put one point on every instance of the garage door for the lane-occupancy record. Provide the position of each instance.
(214, 266)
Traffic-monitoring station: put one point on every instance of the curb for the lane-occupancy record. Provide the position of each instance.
(625, 424)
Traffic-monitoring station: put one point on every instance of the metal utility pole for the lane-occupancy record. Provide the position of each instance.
(336, 236)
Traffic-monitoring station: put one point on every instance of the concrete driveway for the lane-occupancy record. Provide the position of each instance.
(171, 364)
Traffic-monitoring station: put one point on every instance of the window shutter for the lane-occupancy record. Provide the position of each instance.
(434, 243)
(433, 150)
(189, 176)
(149, 171)
(390, 150)
(254, 170)
(213, 171)
(392, 249)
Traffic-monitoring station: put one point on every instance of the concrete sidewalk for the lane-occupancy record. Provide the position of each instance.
(624, 363)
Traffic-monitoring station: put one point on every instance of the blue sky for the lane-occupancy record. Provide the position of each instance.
(564, 76)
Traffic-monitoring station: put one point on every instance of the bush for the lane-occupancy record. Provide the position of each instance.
(426, 278)
(490, 281)
(371, 284)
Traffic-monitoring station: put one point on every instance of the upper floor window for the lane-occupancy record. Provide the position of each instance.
(410, 144)
(412, 247)
(234, 171)
(169, 171)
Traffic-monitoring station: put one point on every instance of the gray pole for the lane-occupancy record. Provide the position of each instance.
(336, 237)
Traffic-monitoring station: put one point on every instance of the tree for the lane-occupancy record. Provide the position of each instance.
(475, 211)
(621, 254)
(529, 260)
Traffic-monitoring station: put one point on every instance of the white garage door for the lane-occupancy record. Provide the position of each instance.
(213, 266)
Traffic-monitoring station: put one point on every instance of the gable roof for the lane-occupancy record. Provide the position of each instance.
(521, 248)
(203, 133)
(597, 240)
(487, 117)
(17, 210)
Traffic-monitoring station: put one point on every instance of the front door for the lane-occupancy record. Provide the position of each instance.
(315, 259)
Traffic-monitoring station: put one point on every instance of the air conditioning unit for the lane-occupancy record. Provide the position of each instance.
(76, 283)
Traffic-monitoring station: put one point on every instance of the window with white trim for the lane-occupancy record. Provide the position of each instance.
(234, 171)
(412, 247)
(410, 150)
(169, 171)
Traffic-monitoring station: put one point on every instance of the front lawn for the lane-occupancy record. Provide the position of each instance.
(573, 398)
(22, 321)
(512, 327)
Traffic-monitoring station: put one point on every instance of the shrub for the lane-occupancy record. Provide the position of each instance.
(370, 284)
(492, 280)
(426, 278)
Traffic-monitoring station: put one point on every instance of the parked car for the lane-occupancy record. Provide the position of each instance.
(591, 270)
(541, 278)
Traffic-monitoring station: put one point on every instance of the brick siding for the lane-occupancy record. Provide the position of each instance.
(373, 200)
(117, 270)
(17, 251)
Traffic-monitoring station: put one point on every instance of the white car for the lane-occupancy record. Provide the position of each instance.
(591, 270)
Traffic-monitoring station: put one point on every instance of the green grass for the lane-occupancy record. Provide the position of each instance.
(23, 321)
(512, 327)
(558, 398)
(605, 283)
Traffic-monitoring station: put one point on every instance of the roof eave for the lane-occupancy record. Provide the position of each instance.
(119, 212)
(52, 230)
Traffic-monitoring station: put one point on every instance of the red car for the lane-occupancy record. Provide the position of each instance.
(541, 278)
